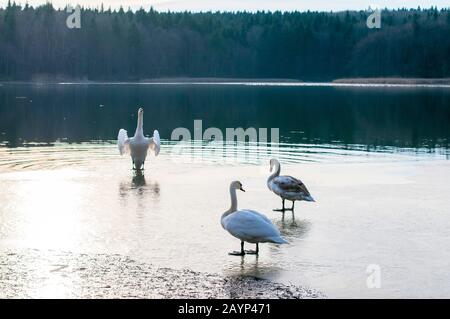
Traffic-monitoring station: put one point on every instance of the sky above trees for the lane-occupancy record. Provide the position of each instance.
(248, 5)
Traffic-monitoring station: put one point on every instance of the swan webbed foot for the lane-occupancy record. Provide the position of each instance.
(283, 209)
(237, 253)
(253, 252)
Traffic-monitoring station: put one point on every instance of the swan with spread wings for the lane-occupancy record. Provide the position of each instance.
(138, 146)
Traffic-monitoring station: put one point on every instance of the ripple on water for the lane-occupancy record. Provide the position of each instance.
(59, 155)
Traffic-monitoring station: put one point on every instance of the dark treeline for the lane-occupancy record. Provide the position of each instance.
(126, 45)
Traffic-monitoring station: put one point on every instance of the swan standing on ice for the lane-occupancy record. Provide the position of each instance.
(248, 225)
(138, 145)
(287, 187)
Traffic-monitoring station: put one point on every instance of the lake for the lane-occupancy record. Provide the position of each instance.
(375, 158)
(350, 116)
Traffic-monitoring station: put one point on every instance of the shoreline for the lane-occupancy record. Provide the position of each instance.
(153, 80)
(118, 276)
(212, 80)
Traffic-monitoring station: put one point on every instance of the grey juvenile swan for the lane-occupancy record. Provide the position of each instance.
(287, 187)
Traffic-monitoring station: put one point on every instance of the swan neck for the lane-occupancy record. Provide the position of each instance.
(140, 125)
(233, 196)
(276, 171)
(233, 207)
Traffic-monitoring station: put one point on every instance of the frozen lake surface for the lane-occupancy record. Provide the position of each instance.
(391, 212)
(374, 157)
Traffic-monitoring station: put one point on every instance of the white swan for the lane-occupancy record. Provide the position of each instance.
(287, 187)
(248, 225)
(138, 145)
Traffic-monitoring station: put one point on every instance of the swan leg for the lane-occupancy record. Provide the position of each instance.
(285, 209)
(238, 253)
(253, 252)
(136, 168)
(280, 209)
(292, 210)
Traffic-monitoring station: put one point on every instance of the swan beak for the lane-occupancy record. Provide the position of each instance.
(242, 189)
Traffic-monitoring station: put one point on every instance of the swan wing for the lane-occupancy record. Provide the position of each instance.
(123, 142)
(155, 143)
(251, 226)
(254, 212)
(290, 184)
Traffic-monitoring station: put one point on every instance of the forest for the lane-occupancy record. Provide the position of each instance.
(125, 45)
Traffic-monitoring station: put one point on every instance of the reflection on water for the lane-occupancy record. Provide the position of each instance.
(292, 228)
(253, 265)
(140, 190)
(138, 185)
(368, 116)
(317, 124)
(138, 180)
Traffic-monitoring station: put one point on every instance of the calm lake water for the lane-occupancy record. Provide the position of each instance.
(374, 117)
(375, 159)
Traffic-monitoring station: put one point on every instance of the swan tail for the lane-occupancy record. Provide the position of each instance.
(156, 142)
(122, 141)
(278, 240)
